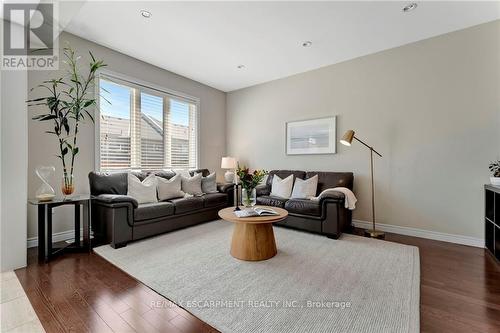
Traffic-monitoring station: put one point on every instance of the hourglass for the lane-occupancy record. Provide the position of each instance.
(45, 192)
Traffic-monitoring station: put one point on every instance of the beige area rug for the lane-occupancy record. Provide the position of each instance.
(313, 284)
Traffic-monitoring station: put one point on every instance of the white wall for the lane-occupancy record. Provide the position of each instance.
(43, 148)
(431, 108)
(13, 168)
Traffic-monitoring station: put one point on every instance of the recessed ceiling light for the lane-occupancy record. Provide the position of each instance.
(307, 43)
(409, 7)
(241, 66)
(145, 13)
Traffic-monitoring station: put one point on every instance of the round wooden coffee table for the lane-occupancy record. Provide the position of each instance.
(253, 237)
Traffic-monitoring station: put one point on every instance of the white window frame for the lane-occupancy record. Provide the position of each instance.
(103, 74)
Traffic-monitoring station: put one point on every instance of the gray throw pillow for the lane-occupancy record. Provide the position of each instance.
(192, 185)
(305, 189)
(143, 192)
(209, 183)
(170, 188)
(282, 187)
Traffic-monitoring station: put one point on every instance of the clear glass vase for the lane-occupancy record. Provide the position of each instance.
(67, 185)
(249, 197)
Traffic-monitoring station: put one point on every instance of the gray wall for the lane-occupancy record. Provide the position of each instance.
(43, 147)
(13, 167)
(432, 108)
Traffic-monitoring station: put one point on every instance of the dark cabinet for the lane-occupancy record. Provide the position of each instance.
(492, 219)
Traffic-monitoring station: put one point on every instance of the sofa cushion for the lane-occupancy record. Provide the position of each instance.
(214, 199)
(186, 205)
(209, 183)
(332, 179)
(169, 188)
(282, 187)
(204, 172)
(303, 207)
(268, 200)
(154, 210)
(140, 174)
(305, 189)
(166, 174)
(108, 183)
(143, 191)
(192, 185)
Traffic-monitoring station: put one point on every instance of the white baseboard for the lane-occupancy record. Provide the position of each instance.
(440, 236)
(56, 237)
(407, 231)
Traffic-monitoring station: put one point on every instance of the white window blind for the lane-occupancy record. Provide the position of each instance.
(145, 128)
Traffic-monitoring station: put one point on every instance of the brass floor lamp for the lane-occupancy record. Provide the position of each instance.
(347, 140)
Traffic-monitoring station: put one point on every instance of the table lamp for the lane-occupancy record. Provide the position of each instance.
(346, 141)
(230, 164)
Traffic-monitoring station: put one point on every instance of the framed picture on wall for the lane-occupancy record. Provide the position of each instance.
(313, 136)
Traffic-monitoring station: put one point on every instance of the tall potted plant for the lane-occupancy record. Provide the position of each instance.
(249, 181)
(69, 101)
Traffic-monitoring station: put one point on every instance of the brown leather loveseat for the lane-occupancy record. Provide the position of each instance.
(327, 216)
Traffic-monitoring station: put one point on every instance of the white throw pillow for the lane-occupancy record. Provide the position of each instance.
(143, 192)
(305, 189)
(192, 185)
(282, 187)
(209, 183)
(170, 188)
(182, 172)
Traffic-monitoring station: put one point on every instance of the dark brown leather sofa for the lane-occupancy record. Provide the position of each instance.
(118, 218)
(328, 216)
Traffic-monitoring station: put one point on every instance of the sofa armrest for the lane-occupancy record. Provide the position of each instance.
(263, 190)
(337, 218)
(332, 197)
(115, 199)
(224, 187)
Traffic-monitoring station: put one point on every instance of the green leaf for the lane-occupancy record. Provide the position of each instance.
(66, 125)
(36, 104)
(64, 151)
(91, 117)
(89, 103)
(36, 99)
(40, 116)
(45, 117)
(75, 151)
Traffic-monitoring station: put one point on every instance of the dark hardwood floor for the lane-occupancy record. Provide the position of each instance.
(460, 292)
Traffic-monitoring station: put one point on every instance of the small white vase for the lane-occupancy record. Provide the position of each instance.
(495, 181)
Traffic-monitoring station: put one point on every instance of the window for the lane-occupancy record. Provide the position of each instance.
(145, 128)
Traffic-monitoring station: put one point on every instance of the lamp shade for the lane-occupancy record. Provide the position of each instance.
(228, 162)
(347, 138)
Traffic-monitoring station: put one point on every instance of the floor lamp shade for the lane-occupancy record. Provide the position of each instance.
(347, 138)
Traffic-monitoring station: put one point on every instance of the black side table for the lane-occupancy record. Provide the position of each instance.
(46, 250)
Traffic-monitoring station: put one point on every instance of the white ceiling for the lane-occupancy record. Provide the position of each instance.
(206, 41)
